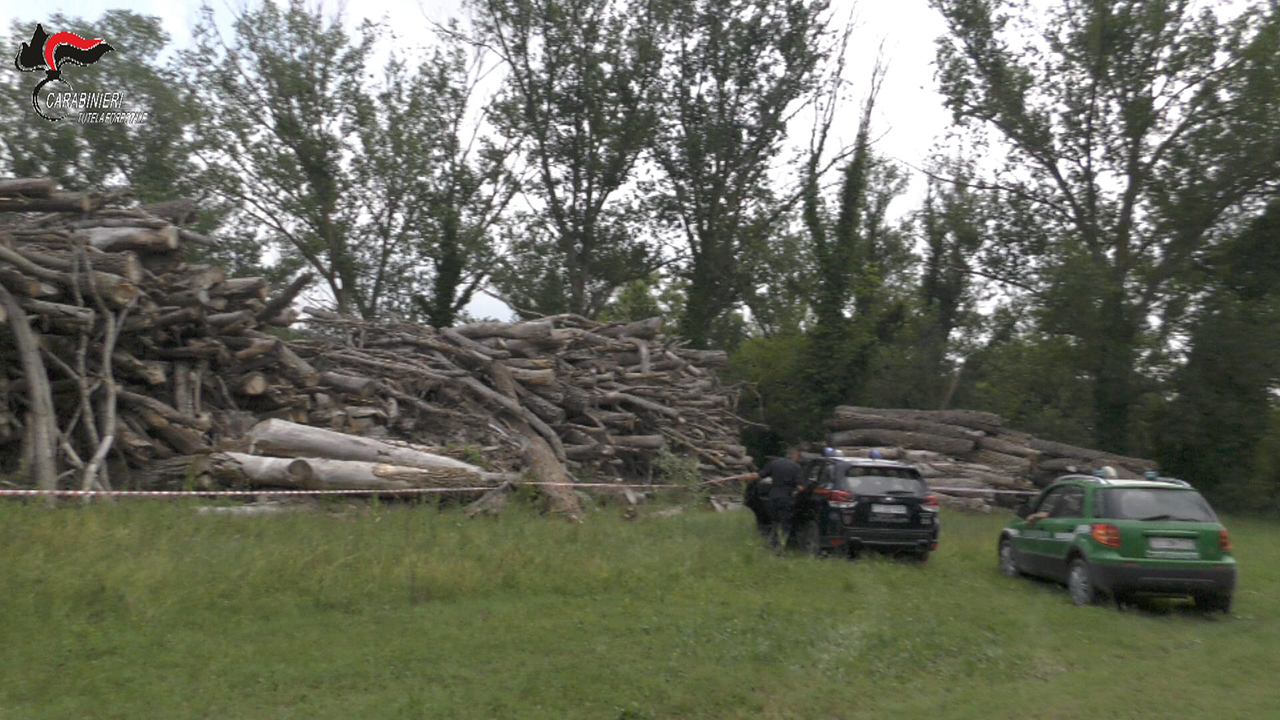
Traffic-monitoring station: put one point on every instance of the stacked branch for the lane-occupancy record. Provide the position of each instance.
(124, 363)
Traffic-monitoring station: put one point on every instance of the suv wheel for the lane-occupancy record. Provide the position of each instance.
(1214, 603)
(1080, 583)
(1008, 567)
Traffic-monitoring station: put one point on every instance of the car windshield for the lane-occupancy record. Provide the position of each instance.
(1153, 504)
(881, 481)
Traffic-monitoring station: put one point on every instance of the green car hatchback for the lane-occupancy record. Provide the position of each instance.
(1122, 538)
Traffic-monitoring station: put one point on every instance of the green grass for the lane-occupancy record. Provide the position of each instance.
(151, 610)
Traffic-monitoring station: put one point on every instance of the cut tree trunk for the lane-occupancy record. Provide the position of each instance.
(288, 439)
(898, 438)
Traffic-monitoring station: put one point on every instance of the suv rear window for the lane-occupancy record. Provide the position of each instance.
(880, 481)
(1153, 504)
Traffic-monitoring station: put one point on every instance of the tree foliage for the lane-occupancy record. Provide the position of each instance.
(579, 97)
(1135, 128)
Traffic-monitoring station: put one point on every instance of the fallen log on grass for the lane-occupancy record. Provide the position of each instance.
(288, 439)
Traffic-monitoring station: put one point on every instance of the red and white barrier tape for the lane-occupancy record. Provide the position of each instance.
(400, 491)
(273, 493)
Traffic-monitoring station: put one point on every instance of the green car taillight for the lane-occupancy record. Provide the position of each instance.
(1224, 540)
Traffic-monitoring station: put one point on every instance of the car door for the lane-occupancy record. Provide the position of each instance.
(1031, 541)
(806, 499)
(1059, 529)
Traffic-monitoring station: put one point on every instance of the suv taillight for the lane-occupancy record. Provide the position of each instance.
(931, 502)
(1224, 540)
(1105, 534)
(841, 500)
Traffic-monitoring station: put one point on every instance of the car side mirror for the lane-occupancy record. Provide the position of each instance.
(1023, 510)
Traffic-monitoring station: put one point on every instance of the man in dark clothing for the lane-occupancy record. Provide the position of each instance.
(784, 474)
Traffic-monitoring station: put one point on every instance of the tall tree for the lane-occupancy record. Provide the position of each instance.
(853, 250)
(735, 73)
(367, 178)
(431, 191)
(1225, 393)
(579, 96)
(1135, 129)
(150, 156)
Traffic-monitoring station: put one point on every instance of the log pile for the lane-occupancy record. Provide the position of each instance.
(968, 449)
(122, 363)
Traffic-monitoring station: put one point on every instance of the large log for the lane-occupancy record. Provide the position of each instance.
(646, 329)
(240, 469)
(546, 468)
(326, 474)
(1011, 464)
(54, 202)
(915, 441)
(27, 187)
(863, 421)
(130, 238)
(972, 419)
(533, 330)
(288, 439)
(1002, 445)
(124, 264)
(286, 296)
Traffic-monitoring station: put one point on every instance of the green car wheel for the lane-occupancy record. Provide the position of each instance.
(1080, 583)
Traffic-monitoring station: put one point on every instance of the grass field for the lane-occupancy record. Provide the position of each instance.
(154, 611)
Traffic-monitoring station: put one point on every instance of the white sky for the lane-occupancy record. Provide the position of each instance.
(908, 120)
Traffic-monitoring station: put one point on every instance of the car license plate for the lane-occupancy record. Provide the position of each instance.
(1167, 543)
(889, 509)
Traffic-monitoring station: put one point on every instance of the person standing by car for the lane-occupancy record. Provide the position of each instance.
(784, 474)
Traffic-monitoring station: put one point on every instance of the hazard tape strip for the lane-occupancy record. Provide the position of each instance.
(273, 493)
(397, 491)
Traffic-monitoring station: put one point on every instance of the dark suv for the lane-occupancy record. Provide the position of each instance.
(848, 504)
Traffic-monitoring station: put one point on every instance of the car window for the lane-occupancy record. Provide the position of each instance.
(826, 476)
(1153, 504)
(810, 472)
(1049, 501)
(873, 481)
(1069, 504)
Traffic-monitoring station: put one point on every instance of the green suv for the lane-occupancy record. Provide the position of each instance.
(1122, 538)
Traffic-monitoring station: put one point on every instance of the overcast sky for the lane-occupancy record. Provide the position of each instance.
(908, 120)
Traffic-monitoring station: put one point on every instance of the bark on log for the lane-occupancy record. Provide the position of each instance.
(124, 264)
(327, 474)
(281, 301)
(42, 427)
(914, 441)
(55, 202)
(350, 384)
(287, 439)
(546, 467)
(534, 330)
(972, 419)
(69, 316)
(152, 372)
(646, 329)
(1011, 464)
(110, 239)
(862, 421)
(27, 187)
(650, 442)
(250, 287)
(242, 469)
(1001, 445)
